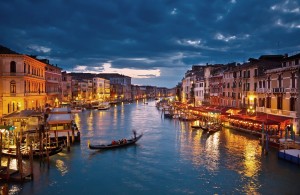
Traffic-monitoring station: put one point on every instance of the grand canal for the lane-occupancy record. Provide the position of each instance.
(169, 159)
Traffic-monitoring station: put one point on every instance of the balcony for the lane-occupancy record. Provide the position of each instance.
(263, 90)
(279, 90)
(292, 90)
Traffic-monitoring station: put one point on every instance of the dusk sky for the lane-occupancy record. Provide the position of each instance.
(155, 42)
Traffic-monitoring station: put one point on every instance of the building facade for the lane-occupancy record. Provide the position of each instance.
(22, 82)
(53, 84)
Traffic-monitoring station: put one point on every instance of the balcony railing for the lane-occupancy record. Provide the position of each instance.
(279, 90)
(291, 90)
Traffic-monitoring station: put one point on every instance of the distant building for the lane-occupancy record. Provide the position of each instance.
(66, 86)
(53, 84)
(101, 89)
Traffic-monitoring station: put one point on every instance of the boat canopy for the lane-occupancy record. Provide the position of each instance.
(59, 118)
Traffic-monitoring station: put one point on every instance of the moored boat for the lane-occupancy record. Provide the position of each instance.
(112, 145)
(36, 153)
(104, 106)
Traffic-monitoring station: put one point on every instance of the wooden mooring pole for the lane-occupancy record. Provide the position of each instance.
(68, 142)
(31, 162)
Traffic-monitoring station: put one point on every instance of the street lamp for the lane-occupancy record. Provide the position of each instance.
(250, 110)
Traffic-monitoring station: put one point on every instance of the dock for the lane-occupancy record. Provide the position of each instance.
(291, 155)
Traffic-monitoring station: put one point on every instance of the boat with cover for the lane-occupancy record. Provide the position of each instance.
(115, 144)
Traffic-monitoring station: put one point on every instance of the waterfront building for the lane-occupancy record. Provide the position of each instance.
(207, 74)
(189, 83)
(120, 85)
(135, 92)
(283, 97)
(22, 82)
(172, 93)
(53, 84)
(230, 91)
(75, 90)
(199, 91)
(151, 91)
(215, 85)
(143, 92)
(161, 92)
(101, 89)
(66, 87)
(83, 90)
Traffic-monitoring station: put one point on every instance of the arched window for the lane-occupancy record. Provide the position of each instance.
(24, 68)
(13, 67)
(13, 86)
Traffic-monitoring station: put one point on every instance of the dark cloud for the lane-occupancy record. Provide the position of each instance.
(147, 35)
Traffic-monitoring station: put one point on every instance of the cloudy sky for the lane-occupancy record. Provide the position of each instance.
(153, 41)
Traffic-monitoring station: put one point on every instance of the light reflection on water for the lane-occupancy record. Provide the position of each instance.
(171, 158)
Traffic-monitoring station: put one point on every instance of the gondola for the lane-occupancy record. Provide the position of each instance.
(116, 145)
(204, 128)
(196, 126)
(35, 152)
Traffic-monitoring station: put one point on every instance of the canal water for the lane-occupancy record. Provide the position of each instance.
(170, 158)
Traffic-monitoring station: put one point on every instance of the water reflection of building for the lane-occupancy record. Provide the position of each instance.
(245, 149)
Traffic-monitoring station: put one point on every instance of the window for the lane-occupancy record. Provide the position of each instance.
(279, 81)
(279, 102)
(268, 102)
(255, 72)
(13, 87)
(24, 68)
(296, 61)
(255, 86)
(293, 80)
(284, 64)
(269, 82)
(248, 87)
(13, 67)
(293, 104)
